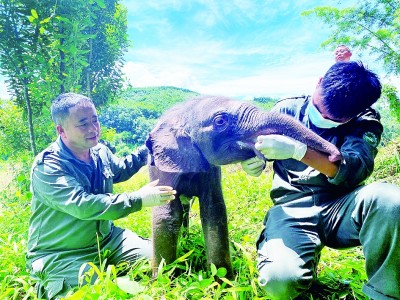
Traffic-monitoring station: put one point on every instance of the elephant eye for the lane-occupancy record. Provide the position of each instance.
(221, 122)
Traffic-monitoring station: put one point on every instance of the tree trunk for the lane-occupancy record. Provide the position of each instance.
(30, 121)
(62, 65)
(88, 71)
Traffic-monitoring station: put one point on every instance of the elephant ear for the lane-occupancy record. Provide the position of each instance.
(173, 151)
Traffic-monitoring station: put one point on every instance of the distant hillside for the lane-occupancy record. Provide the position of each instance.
(156, 99)
(135, 112)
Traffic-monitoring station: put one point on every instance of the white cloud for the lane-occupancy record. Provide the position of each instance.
(143, 75)
(275, 81)
(290, 79)
(157, 5)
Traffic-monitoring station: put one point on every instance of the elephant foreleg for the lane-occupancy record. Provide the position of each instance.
(215, 229)
(167, 221)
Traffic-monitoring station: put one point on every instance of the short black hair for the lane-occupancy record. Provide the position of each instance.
(60, 106)
(349, 88)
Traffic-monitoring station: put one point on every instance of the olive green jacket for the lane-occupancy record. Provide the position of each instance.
(72, 204)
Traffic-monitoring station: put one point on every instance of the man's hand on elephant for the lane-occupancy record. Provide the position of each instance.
(253, 166)
(275, 146)
(153, 195)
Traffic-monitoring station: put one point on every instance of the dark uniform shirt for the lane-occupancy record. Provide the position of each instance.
(357, 140)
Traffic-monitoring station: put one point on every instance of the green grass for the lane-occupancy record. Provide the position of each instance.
(341, 273)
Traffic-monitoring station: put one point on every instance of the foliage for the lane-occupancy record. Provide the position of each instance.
(14, 216)
(389, 92)
(153, 101)
(22, 59)
(71, 45)
(387, 163)
(372, 26)
(92, 38)
(14, 134)
(265, 102)
(391, 125)
(47, 48)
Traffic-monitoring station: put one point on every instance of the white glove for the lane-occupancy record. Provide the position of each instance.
(253, 166)
(275, 146)
(153, 195)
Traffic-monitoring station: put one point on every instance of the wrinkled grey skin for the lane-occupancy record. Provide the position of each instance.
(187, 146)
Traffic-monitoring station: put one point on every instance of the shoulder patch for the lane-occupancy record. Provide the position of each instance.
(371, 139)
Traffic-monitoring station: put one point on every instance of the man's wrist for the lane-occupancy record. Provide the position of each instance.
(299, 151)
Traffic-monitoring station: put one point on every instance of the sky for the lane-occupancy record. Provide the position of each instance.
(237, 48)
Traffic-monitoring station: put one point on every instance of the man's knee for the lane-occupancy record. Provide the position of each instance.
(382, 197)
(283, 283)
(283, 273)
(127, 246)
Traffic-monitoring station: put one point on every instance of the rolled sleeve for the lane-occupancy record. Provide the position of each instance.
(358, 153)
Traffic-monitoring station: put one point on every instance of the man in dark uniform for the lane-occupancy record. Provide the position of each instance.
(320, 203)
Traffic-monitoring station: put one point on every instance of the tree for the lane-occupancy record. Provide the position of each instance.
(47, 48)
(92, 41)
(22, 47)
(372, 26)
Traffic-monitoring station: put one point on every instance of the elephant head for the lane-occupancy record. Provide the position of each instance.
(211, 130)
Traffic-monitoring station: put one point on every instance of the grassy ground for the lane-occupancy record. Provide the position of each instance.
(341, 273)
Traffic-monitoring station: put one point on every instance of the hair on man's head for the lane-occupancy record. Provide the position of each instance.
(344, 46)
(348, 88)
(60, 106)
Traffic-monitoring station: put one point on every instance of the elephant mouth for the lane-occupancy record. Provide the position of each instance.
(249, 145)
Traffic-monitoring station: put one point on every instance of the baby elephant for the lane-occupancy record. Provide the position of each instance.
(189, 144)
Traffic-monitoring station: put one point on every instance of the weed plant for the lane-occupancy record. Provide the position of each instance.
(341, 273)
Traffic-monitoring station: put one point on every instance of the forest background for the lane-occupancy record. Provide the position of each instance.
(47, 49)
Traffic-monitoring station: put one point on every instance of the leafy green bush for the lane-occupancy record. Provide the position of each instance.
(390, 124)
(14, 134)
(14, 215)
(387, 163)
(391, 94)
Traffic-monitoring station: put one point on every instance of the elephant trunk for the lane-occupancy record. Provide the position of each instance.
(253, 122)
